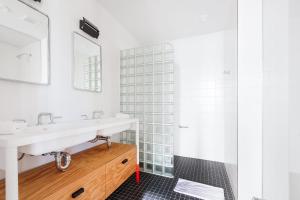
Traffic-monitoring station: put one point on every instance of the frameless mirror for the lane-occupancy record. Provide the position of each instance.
(87, 64)
(24, 43)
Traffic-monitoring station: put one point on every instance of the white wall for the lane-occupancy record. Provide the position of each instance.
(294, 99)
(280, 167)
(249, 99)
(275, 99)
(26, 101)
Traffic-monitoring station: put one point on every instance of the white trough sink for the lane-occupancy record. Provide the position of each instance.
(55, 144)
(57, 137)
(109, 131)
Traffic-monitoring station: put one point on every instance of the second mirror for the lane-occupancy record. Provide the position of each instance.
(87, 64)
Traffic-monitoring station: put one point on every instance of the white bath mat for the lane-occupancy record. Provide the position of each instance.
(199, 190)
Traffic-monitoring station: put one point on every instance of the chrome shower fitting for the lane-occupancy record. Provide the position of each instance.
(99, 137)
(62, 160)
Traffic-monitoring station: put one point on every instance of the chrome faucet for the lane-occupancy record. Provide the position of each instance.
(50, 115)
(44, 114)
(97, 114)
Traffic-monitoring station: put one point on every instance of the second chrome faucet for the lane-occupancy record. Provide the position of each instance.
(51, 118)
(97, 114)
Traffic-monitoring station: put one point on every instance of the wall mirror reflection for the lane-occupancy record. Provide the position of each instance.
(87, 64)
(24, 43)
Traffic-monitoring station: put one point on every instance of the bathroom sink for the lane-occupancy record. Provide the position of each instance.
(54, 144)
(57, 137)
(110, 130)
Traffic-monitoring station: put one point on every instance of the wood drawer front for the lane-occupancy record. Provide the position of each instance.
(119, 170)
(93, 186)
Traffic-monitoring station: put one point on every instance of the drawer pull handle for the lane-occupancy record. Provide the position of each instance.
(124, 161)
(77, 193)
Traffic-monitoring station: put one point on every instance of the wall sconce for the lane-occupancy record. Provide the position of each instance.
(89, 28)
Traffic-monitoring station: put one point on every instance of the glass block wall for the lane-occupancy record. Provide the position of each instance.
(147, 93)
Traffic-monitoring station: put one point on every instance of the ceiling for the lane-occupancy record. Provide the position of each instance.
(152, 21)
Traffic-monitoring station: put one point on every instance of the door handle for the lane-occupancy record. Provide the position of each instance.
(77, 193)
(181, 126)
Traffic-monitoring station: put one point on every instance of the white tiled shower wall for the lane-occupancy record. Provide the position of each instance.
(207, 98)
(26, 101)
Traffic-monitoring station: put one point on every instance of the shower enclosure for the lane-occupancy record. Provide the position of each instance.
(148, 93)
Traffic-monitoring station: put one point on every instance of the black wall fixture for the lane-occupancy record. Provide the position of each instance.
(38, 1)
(89, 28)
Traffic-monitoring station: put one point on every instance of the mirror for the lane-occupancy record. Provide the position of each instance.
(87, 64)
(24, 43)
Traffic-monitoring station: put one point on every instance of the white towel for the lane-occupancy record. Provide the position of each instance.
(199, 190)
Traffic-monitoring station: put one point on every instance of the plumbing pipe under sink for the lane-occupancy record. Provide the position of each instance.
(62, 160)
(99, 137)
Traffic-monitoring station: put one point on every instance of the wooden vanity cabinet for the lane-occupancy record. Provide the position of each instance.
(87, 188)
(93, 175)
(119, 170)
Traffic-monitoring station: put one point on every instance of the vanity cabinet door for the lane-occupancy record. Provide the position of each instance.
(91, 187)
(119, 170)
